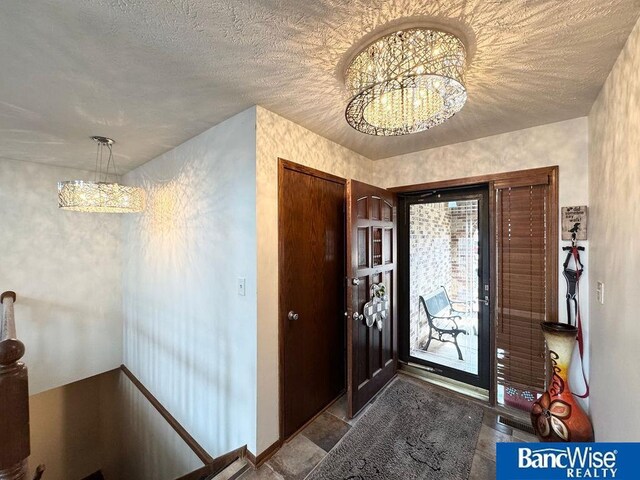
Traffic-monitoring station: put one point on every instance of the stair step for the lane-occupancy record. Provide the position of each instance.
(233, 471)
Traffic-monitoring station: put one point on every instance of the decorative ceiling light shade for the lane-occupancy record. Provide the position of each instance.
(100, 195)
(406, 82)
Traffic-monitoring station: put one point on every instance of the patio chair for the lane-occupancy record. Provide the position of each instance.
(442, 318)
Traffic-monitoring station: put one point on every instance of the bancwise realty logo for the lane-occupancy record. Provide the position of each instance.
(552, 461)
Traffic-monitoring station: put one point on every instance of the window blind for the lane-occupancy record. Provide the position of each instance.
(525, 269)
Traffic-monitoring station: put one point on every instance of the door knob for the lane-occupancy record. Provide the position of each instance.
(293, 315)
(355, 281)
(357, 316)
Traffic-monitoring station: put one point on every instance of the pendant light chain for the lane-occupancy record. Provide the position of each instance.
(95, 172)
(102, 174)
(100, 147)
(111, 161)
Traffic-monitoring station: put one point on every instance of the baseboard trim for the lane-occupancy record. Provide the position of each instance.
(275, 446)
(218, 465)
(264, 456)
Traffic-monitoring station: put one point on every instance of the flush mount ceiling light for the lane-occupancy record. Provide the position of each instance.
(406, 82)
(100, 195)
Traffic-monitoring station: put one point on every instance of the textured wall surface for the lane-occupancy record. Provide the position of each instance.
(563, 144)
(136, 441)
(189, 337)
(66, 269)
(170, 69)
(277, 137)
(614, 188)
(65, 429)
(104, 423)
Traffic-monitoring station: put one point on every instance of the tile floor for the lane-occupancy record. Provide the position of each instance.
(302, 453)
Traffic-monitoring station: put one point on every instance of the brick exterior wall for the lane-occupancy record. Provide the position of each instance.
(430, 257)
(464, 250)
(443, 246)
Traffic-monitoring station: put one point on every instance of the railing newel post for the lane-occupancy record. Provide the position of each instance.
(14, 397)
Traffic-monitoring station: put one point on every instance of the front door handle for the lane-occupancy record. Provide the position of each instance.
(293, 315)
(484, 300)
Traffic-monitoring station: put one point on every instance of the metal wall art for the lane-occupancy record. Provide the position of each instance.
(376, 311)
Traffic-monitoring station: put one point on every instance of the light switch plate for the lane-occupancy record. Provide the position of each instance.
(242, 284)
(600, 293)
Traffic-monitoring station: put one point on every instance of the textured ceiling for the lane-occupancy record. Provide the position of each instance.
(152, 74)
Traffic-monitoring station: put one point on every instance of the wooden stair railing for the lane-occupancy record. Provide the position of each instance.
(14, 398)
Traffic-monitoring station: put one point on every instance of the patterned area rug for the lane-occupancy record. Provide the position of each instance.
(409, 432)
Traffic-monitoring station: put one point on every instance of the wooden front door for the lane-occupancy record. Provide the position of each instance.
(371, 266)
(312, 331)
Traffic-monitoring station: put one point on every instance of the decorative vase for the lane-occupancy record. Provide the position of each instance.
(557, 415)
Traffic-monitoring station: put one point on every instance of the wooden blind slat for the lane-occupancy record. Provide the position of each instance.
(522, 352)
(525, 370)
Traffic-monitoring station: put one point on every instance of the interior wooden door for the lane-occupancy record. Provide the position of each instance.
(312, 331)
(371, 264)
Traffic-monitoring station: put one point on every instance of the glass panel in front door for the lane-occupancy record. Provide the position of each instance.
(444, 283)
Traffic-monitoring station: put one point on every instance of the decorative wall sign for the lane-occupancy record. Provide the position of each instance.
(375, 311)
(574, 220)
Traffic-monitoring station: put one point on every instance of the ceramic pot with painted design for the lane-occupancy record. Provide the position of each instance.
(556, 415)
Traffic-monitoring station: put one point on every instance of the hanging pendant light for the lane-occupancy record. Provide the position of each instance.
(406, 82)
(100, 195)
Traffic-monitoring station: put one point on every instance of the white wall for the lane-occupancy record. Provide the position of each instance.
(563, 144)
(66, 270)
(189, 337)
(614, 171)
(278, 137)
